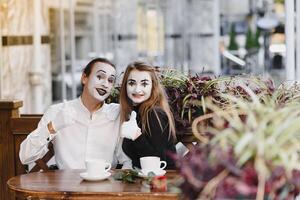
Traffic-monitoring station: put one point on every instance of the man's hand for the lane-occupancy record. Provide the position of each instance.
(64, 118)
(130, 128)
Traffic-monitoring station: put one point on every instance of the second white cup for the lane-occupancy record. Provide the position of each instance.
(152, 163)
(96, 167)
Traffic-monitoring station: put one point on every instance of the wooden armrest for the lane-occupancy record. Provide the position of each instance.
(42, 163)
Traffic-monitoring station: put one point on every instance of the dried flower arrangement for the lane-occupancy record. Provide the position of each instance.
(249, 147)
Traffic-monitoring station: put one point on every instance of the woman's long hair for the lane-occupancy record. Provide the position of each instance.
(158, 98)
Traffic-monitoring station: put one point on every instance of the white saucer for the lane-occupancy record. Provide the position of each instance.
(100, 177)
(157, 173)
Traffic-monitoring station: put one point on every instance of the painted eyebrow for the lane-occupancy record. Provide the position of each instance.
(131, 80)
(144, 80)
(100, 70)
(104, 72)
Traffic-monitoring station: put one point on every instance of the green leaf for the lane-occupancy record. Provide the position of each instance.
(118, 176)
(128, 176)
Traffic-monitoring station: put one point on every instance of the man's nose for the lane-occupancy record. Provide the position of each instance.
(105, 83)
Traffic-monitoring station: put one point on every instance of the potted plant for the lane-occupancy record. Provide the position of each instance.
(185, 91)
(251, 151)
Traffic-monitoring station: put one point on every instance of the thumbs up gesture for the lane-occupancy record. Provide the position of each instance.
(130, 128)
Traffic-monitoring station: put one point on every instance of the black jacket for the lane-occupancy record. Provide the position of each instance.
(155, 142)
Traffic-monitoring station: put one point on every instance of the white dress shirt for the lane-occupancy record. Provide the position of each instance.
(93, 136)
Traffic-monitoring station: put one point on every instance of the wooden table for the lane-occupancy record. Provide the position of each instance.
(67, 184)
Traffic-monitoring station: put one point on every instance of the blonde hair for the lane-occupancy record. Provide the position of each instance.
(158, 98)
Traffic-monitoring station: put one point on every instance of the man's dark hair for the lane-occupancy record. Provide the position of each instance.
(88, 68)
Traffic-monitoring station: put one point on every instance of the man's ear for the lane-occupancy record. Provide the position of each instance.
(84, 79)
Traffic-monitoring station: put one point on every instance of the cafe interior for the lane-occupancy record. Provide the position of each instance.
(230, 71)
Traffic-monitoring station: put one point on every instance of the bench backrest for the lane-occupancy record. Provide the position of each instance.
(14, 128)
(20, 128)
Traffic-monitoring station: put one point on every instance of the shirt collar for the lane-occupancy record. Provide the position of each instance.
(105, 108)
(111, 111)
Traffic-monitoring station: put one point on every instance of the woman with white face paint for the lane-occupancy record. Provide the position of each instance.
(81, 129)
(142, 92)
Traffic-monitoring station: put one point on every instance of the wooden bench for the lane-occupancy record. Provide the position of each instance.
(14, 128)
(20, 128)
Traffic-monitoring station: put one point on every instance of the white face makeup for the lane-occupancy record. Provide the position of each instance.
(101, 81)
(139, 86)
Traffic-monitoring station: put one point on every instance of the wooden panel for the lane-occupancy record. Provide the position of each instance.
(13, 130)
(20, 128)
(22, 40)
(9, 105)
(20, 168)
(24, 125)
(31, 115)
(7, 149)
(1, 161)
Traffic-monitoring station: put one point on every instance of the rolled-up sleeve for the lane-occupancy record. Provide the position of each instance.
(35, 146)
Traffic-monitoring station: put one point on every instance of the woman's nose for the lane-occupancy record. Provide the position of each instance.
(138, 89)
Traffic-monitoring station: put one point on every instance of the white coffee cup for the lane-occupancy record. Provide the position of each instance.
(96, 167)
(152, 163)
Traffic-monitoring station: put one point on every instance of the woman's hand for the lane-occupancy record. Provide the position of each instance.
(130, 128)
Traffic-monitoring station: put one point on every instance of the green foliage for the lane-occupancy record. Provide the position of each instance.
(232, 39)
(262, 129)
(269, 134)
(128, 176)
(252, 41)
(249, 143)
(249, 39)
(186, 93)
(114, 96)
(256, 38)
(172, 77)
(131, 176)
(287, 93)
(279, 1)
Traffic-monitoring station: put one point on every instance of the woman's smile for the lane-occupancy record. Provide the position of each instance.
(138, 95)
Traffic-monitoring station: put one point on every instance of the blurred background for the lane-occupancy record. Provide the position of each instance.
(44, 44)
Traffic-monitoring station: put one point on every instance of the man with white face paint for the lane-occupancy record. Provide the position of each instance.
(99, 86)
(81, 129)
